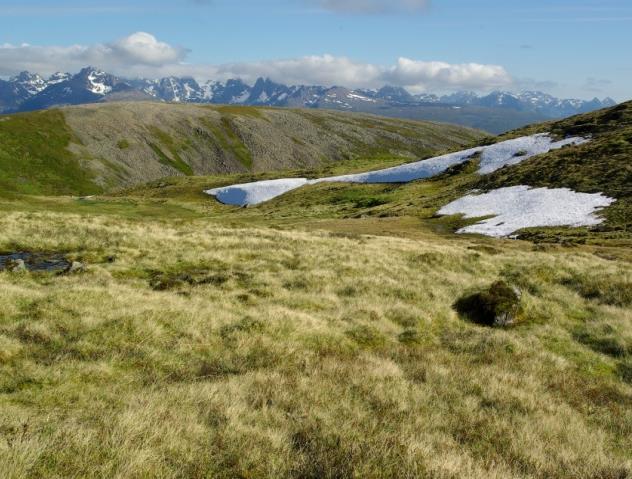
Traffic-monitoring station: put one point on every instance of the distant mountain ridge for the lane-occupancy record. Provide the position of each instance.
(28, 91)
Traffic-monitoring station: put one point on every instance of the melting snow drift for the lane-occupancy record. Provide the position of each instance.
(257, 192)
(492, 158)
(520, 207)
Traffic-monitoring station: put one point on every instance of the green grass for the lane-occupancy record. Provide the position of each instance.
(605, 289)
(175, 161)
(136, 208)
(231, 110)
(601, 165)
(205, 350)
(314, 335)
(123, 144)
(225, 134)
(34, 157)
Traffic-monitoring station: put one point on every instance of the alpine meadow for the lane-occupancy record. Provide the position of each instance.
(291, 257)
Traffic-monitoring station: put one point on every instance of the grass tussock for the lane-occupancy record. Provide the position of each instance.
(192, 349)
(615, 290)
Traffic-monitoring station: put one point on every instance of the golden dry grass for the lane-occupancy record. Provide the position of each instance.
(208, 351)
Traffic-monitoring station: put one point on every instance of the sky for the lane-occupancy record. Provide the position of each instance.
(569, 48)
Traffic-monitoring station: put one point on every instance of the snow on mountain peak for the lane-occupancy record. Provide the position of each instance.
(265, 92)
(32, 83)
(58, 77)
(98, 83)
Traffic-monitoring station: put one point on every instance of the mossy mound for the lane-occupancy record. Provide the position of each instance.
(499, 305)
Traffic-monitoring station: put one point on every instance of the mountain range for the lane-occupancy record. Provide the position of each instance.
(496, 112)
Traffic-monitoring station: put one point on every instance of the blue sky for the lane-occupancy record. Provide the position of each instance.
(572, 48)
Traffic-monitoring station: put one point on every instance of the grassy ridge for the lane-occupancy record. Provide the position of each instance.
(104, 147)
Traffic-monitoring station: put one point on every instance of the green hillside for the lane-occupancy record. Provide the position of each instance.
(34, 156)
(335, 331)
(604, 164)
(601, 165)
(98, 148)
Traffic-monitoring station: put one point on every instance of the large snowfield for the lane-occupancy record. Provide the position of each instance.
(492, 158)
(519, 207)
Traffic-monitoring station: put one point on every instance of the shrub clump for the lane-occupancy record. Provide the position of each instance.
(604, 342)
(165, 281)
(409, 337)
(366, 336)
(122, 144)
(624, 370)
(498, 305)
(605, 289)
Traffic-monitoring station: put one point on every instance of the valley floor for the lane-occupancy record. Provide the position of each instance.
(200, 346)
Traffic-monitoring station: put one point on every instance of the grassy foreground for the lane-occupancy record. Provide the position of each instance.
(191, 348)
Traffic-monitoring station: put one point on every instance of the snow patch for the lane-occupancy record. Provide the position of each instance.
(518, 207)
(263, 97)
(512, 152)
(58, 78)
(257, 192)
(241, 98)
(96, 84)
(355, 96)
(492, 158)
(409, 171)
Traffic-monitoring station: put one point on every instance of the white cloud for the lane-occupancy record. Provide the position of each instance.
(139, 51)
(143, 48)
(142, 54)
(415, 75)
(421, 76)
(317, 70)
(372, 6)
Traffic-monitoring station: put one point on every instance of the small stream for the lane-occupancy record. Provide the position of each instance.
(39, 262)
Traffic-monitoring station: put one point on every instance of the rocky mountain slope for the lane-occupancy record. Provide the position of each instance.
(99, 147)
(495, 112)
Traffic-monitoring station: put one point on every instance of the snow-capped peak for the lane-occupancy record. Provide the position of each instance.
(31, 82)
(98, 82)
(72, 89)
(58, 77)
